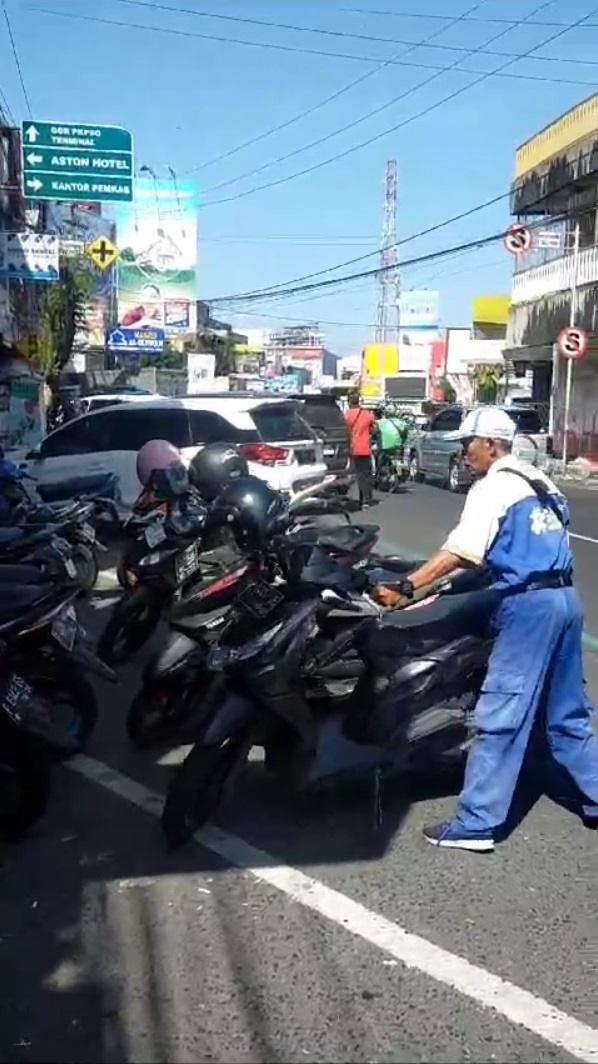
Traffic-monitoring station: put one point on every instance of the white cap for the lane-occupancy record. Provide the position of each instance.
(487, 423)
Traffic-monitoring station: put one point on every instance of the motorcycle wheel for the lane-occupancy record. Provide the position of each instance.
(87, 566)
(24, 794)
(133, 620)
(155, 716)
(200, 786)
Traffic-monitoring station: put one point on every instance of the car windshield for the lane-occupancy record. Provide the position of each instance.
(322, 413)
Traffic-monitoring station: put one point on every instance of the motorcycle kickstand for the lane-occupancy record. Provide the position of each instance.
(377, 799)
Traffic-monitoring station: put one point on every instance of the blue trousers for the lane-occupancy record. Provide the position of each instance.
(536, 666)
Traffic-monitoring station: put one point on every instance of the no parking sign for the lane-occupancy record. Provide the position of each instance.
(572, 342)
(517, 239)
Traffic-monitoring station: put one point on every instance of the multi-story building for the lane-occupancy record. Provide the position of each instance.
(555, 192)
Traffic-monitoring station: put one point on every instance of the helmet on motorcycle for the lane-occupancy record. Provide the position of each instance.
(250, 508)
(214, 466)
(156, 455)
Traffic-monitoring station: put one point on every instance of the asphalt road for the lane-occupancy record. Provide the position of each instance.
(295, 931)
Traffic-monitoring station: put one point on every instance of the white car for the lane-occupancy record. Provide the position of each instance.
(90, 403)
(279, 445)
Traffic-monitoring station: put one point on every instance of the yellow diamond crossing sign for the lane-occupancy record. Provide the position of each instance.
(102, 253)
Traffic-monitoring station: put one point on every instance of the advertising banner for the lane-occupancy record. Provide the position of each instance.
(419, 310)
(78, 225)
(200, 371)
(29, 256)
(157, 239)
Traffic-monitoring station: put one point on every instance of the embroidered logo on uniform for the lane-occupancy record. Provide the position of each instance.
(542, 521)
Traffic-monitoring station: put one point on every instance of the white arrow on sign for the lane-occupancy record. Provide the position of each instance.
(34, 159)
(32, 134)
(34, 184)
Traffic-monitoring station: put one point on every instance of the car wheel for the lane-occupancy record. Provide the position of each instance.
(415, 472)
(454, 476)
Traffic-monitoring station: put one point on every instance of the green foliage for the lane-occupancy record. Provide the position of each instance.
(62, 315)
(225, 350)
(449, 394)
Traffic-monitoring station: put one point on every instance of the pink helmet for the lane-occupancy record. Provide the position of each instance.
(156, 455)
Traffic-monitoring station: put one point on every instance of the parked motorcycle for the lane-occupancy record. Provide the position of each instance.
(175, 680)
(390, 690)
(74, 523)
(44, 659)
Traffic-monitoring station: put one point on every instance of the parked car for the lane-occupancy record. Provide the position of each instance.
(279, 445)
(99, 400)
(324, 415)
(432, 455)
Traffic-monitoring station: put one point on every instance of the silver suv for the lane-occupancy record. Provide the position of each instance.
(433, 456)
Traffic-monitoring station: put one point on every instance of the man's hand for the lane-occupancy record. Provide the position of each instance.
(389, 597)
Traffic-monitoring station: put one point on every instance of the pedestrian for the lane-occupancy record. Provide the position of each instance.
(515, 521)
(360, 423)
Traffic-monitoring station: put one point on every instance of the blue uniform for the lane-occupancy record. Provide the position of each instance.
(537, 659)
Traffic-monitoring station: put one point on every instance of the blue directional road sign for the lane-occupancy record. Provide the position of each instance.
(77, 162)
(143, 340)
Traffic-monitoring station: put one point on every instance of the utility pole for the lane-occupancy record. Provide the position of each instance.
(572, 317)
(388, 313)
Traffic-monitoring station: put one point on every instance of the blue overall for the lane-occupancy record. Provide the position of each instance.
(536, 665)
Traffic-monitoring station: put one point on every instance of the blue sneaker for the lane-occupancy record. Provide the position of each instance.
(449, 835)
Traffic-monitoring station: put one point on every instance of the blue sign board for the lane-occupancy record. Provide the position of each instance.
(144, 340)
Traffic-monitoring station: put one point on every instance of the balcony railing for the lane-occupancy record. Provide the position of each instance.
(556, 276)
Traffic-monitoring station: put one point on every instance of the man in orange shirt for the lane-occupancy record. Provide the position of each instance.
(360, 423)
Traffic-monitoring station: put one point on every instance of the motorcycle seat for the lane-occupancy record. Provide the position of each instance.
(394, 564)
(348, 539)
(21, 598)
(10, 535)
(446, 616)
(19, 574)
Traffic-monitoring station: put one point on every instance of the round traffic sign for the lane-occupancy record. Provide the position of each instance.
(517, 239)
(572, 342)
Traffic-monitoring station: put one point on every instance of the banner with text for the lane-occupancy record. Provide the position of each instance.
(157, 269)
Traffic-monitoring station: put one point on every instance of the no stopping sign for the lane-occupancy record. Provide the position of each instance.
(572, 342)
(517, 239)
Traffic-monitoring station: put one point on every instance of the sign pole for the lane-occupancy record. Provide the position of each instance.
(572, 317)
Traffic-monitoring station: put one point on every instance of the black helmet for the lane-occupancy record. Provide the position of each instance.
(214, 466)
(250, 508)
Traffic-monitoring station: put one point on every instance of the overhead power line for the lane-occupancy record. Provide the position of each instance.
(294, 28)
(432, 256)
(270, 45)
(425, 15)
(13, 45)
(301, 115)
(412, 118)
(414, 236)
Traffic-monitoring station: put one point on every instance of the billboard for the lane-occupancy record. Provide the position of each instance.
(419, 310)
(157, 269)
(78, 225)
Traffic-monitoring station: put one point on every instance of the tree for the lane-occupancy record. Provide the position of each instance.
(449, 394)
(487, 380)
(62, 315)
(225, 350)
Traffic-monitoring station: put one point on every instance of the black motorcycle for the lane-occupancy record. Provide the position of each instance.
(48, 709)
(72, 521)
(175, 680)
(387, 691)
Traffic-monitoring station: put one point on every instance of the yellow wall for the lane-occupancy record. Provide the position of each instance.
(577, 124)
(490, 310)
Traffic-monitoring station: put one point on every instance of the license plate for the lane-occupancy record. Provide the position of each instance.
(155, 534)
(65, 628)
(17, 692)
(88, 532)
(329, 452)
(187, 563)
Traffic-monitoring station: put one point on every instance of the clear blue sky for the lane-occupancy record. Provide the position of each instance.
(189, 100)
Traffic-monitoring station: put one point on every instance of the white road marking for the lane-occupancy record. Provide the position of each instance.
(516, 1005)
(585, 539)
